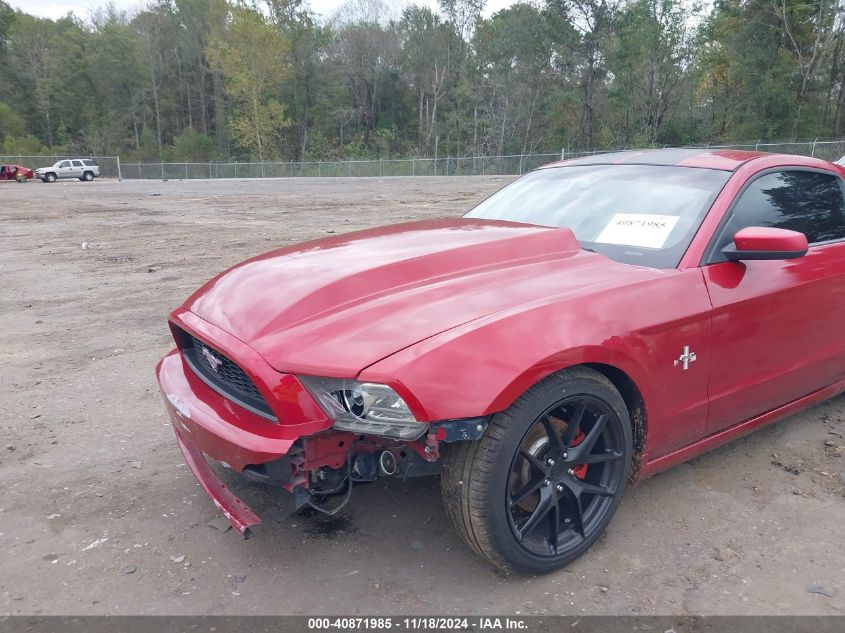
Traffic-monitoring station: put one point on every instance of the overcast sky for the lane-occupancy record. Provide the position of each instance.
(325, 8)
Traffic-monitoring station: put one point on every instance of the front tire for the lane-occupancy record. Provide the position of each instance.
(539, 488)
(51, 177)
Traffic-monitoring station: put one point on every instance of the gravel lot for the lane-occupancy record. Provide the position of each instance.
(98, 514)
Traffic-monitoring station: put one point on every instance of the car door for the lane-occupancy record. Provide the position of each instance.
(778, 325)
(76, 169)
(63, 169)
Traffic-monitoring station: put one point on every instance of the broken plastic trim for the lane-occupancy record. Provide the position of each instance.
(462, 430)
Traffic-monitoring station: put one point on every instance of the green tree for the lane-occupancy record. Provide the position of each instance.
(746, 76)
(431, 54)
(11, 123)
(200, 22)
(251, 57)
(583, 58)
(296, 22)
(27, 145)
(115, 111)
(192, 145)
(366, 56)
(515, 46)
(648, 61)
(268, 78)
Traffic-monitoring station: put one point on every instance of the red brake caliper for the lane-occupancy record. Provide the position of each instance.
(579, 471)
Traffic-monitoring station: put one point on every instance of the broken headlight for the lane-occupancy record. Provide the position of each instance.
(364, 407)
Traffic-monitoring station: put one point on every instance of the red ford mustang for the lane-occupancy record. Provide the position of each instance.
(592, 323)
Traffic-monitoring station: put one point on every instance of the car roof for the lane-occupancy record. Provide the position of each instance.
(724, 159)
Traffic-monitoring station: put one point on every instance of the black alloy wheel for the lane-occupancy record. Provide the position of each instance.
(565, 475)
(543, 483)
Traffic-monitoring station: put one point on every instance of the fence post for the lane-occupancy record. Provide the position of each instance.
(186, 171)
(813, 153)
(139, 170)
(209, 169)
(162, 170)
(262, 169)
(319, 168)
(413, 166)
(236, 169)
(757, 146)
(119, 175)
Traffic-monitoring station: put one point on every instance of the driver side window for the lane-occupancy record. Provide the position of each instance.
(805, 201)
(64, 163)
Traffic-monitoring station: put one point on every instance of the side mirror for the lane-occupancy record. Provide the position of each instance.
(757, 242)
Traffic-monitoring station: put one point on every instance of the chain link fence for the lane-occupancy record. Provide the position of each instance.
(446, 166)
(831, 150)
(111, 166)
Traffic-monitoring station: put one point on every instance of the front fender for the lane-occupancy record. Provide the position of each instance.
(593, 354)
(482, 371)
(481, 367)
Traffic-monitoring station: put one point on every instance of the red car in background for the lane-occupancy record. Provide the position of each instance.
(11, 172)
(593, 323)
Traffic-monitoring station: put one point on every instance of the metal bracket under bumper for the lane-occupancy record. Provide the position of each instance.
(239, 514)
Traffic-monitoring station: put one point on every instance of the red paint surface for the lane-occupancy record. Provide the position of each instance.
(239, 514)
(776, 332)
(756, 238)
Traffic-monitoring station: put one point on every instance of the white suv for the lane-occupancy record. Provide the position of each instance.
(82, 168)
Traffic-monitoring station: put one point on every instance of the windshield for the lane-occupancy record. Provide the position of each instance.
(636, 214)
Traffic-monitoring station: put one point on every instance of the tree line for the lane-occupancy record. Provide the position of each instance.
(267, 79)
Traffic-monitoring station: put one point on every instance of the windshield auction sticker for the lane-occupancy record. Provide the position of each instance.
(638, 229)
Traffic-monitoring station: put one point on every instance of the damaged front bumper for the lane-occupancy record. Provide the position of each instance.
(295, 451)
(208, 426)
(240, 515)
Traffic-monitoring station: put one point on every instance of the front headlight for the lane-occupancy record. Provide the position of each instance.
(364, 407)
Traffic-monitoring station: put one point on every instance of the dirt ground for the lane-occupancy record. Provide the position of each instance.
(99, 515)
